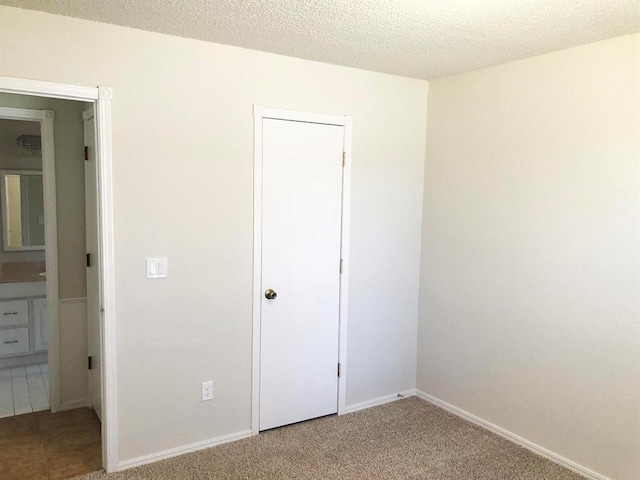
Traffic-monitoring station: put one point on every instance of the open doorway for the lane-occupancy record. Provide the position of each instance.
(57, 338)
(45, 282)
(24, 367)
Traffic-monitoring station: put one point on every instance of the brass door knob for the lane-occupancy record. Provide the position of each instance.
(270, 294)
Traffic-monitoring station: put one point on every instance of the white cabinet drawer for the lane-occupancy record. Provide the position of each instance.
(14, 341)
(14, 312)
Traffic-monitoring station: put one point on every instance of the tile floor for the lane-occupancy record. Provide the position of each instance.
(24, 390)
(46, 446)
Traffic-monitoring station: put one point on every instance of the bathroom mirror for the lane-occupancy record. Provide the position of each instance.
(21, 195)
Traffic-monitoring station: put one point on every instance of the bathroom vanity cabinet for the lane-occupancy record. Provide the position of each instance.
(23, 319)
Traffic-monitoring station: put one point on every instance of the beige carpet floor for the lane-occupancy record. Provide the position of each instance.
(407, 439)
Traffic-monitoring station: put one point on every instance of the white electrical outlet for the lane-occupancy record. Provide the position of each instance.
(207, 390)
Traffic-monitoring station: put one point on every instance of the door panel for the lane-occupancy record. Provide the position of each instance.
(93, 272)
(41, 324)
(301, 227)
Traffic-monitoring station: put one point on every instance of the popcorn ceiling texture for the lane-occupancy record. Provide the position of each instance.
(414, 38)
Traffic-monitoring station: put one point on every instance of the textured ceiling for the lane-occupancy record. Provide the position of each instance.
(415, 38)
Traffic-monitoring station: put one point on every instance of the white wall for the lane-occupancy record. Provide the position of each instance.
(183, 137)
(530, 305)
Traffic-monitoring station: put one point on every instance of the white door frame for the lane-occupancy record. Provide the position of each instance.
(259, 113)
(101, 97)
(45, 119)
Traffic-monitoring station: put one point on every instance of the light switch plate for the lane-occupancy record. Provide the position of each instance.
(157, 268)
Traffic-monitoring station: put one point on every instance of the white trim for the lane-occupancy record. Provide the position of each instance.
(537, 449)
(379, 401)
(344, 278)
(47, 89)
(69, 301)
(174, 452)
(51, 257)
(296, 116)
(70, 405)
(102, 97)
(107, 280)
(24, 114)
(257, 268)
(259, 113)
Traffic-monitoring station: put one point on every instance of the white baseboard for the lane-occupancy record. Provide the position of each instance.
(174, 452)
(379, 401)
(80, 403)
(543, 452)
(24, 360)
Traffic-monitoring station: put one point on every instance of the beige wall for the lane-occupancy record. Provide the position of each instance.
(74, 380)
(12, 159)
(530, 306)
(11, 154)
(69, 151)
(183, 136)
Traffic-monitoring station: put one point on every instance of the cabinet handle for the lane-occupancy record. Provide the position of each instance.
(10, 313)
(11, 341)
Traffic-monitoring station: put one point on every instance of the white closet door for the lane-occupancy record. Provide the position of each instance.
(301, 228)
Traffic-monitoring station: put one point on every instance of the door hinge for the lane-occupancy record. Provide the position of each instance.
(90, 363)
(341, 265)
(88, 259)
(344, 158)
(339, 369)
(86, 153)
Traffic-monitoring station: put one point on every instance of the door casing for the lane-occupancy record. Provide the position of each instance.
(93, 269)
(101, 97)
(259, 113)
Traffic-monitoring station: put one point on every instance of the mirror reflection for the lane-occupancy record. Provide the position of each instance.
(22, 210)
